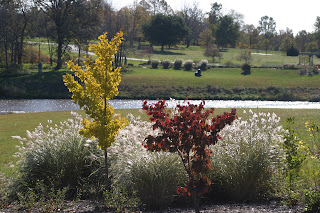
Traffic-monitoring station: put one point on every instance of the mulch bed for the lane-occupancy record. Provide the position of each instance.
(86, 206)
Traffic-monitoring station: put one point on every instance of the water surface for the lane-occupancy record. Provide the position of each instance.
(43, 105)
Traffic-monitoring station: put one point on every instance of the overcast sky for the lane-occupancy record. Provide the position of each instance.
(294, 14)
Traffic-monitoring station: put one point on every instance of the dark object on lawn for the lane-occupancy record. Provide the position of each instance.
(198, 73)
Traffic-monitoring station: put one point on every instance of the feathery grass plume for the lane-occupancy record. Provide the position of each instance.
(248, 155)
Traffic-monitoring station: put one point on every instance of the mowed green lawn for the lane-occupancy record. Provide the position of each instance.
(17, 124)
(222, 77)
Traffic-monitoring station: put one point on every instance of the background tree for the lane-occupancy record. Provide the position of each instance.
(98, 83)
(285, 40)
(110, 20)
(206, 39)
(249, 36)
(131, 21)
(155, 7)
(227, 32)
(317, 30)
(14, 19)
(84, 30)
(165, 30)
(193, 18)
(267, 26)
(63, 14)
(301, 40)
(214, 15)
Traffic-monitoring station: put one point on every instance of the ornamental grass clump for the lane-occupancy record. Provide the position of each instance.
(166, 64)
(203, 64)
(248, 155)
(154, 176)
(155, 63)
(188, 65)
(177, 64)
(58, 156)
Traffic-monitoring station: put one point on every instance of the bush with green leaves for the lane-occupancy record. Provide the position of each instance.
(246, 68)
(312, 200)
(188, 65)
(166, 64)
(248, 155)
(42, 198)
(119, 199)
(203, 64)
(292, 51)
(177, 64)
(59, 156)
(155, 63)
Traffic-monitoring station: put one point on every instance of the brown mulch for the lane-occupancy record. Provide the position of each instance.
(86, 206)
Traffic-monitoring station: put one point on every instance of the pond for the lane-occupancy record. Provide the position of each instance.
(43, 105)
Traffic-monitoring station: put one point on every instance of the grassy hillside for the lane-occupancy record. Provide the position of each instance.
(216, 83)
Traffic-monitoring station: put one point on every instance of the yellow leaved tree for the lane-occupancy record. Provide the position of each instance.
(93, 87)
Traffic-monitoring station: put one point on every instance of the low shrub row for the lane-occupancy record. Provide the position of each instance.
(178, 64)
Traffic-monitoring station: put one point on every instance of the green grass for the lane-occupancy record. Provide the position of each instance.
(231, 55)
(222, 77)
(17, 124)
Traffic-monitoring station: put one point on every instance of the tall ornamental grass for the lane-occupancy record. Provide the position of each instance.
(154, 176)
(58, 156)
(248, 155)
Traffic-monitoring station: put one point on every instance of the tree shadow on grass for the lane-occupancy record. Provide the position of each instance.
(167, 53)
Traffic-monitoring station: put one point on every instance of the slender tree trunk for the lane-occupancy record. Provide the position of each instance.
(196, 202)
(59, 51)
(79, 55)
(106, 168)
(6, 50)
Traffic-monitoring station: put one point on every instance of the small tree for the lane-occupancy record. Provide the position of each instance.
(246, 56)
(188, 133)
(212, 51)
(98, 83)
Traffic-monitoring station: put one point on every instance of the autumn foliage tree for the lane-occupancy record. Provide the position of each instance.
(95, 85)
(189, 132)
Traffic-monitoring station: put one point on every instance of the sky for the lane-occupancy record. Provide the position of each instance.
(294, 14)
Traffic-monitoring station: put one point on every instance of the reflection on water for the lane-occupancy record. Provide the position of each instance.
(43, 105)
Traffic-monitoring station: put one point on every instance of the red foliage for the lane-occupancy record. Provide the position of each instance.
(189, 133)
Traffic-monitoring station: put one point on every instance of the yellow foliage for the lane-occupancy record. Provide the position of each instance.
(97, 83)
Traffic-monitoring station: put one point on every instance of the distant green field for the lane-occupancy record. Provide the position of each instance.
(17, 124)
(222, 77)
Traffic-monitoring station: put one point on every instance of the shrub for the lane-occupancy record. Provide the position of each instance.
(246, 69)
(188, 65)
(228, 64)
(248, 155)
(31, 55)
(59, 157)
(121, 200)
(292, 51)
(289, 67)
(203, 64)
(155, 63)
(177, 64)
(312, 200)
(166, 64)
